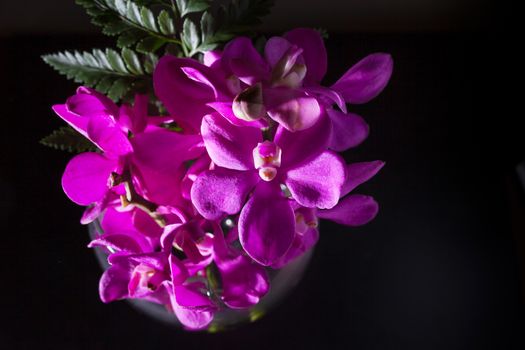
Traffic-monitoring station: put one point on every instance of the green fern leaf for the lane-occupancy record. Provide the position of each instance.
(67, 139)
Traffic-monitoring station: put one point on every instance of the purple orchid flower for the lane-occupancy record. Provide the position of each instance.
(87, 176)
(244, 282)
(298, 160)
(154, 155)
(137, 272)
(306, 235)
(361, 83)
(352, 210)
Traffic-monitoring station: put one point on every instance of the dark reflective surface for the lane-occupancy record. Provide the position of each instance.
(437, 269)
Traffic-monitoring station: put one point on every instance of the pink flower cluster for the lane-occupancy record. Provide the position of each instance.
(256, 145)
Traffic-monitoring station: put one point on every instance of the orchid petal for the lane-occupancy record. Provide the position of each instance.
(317, 183)
(157, 163)
(229, 146)
(366, 79)
(108, 136)
(291, 108)
(244, 282)
(301, 146)
(266, 224)
(314, 52)
(190, 297)
(183, 97)
(113, 284)
(210, 57)
(88, 102)
(301, 244)
(118, 222)
(78, 122)
(86, 177)
(353, 210)
(358, 173)
(327, 96)
(275, 49)
(243, 60)
(225, 109)
(193, 319)
(135, 119)
(145, 224)
(179, 274)
(116, 242)
(348, 130)
(218, 192)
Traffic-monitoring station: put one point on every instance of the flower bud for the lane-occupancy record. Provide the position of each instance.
(248, 105)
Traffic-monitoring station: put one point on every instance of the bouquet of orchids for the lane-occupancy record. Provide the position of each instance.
(206, 159)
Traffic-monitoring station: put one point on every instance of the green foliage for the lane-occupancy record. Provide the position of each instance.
(110, 72)
(190, 6)
(68, 139)
(133, 22)
(223, 24)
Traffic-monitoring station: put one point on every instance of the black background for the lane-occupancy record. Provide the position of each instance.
(437, 269)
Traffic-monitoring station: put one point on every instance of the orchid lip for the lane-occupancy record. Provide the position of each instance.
(267, 158)
(144, 278)
(305, 219)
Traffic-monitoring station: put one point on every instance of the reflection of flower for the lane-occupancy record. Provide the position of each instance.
(254, 143)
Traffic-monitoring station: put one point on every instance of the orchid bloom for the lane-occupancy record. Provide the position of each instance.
(247, 165)
(87, 178)
(139, 270)
(154, 155)
(360, 84)
(352, 210)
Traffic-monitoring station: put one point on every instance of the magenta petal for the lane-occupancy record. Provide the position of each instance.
(218, 192)
(348, 130)
(115, 221)
(184, 98)
(88, 102)
(314, 52)
(144, 223)
(266, 224)
(190, 297)
(354, 210)
(108, 136)
(158, 163)
(243, 60)
(327, 96)
(210, 57)
(357, 173)
(366, 79)
(229, 146)
(317, 183)
(192, 319)
(135, 119)
(86, 177)
(301, 244)
(179, 274)
(243, 281)
(225, 109)
(78, 122)
(113, 284)
(292, 109)
(116, 242)
(301, 146)
(275, 49)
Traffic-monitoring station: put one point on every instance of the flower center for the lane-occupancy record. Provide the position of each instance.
(144, 279)
(305, 219)
(267, 158)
